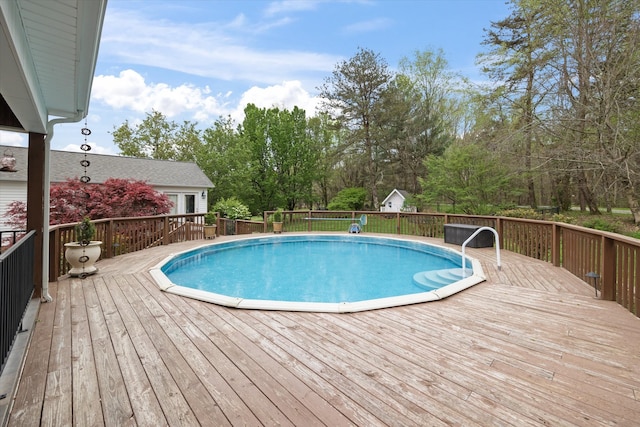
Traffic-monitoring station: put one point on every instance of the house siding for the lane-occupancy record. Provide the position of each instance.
(9, 192)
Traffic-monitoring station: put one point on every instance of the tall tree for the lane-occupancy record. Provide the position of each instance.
(225, 159)
(518, 58)
(353, 94)
(433, 96)
(158, 138)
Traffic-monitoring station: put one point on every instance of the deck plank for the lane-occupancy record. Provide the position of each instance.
(87, 406)
(58, 400)
(531, 346)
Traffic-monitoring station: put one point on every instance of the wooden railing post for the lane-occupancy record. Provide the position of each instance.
(608, 269)
(54, 255)
(165, 234)
(556, 235)
(398, 223)
(108, 240)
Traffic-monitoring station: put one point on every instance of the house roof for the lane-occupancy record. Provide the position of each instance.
(66, 164)
(404, 194)
(49, 51)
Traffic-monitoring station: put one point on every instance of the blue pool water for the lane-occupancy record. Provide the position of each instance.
(311, 268)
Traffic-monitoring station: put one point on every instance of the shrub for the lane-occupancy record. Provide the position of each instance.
(349, 199)
(210, 218)
(85, 230)
(520, 213)
(232, 208)
(277, 216)
(602, 225)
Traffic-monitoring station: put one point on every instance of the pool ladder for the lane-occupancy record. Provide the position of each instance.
(470, 238)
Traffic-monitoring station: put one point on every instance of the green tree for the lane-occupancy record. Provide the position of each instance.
(283, 157)
(425, 114)
(519, 58)
(468, 177)
(354, 94)
(349, 199)
(225, 159)
(158, 138)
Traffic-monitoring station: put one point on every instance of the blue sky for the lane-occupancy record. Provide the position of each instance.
(198, 60)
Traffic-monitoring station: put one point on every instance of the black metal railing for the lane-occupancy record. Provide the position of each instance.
(9, 238)
(16, 289)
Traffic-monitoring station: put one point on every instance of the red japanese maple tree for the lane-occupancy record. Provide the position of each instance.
(115, 198)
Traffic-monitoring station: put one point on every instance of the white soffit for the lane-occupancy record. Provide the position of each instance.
(48, 52)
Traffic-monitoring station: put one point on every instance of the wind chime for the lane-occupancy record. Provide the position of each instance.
(84, 226)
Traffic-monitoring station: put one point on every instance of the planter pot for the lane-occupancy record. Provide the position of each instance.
(277, 227)
(210, 231)
(76, 253)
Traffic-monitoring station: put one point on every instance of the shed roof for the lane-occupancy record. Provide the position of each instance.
(66, 164)
(404, 194)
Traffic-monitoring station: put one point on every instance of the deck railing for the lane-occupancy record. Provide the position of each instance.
(613, 259)
(16, 288)
(120, 236)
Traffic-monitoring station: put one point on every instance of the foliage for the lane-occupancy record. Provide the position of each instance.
(225, 159)
(15, 216)
(210, 218)
(85, 230)
(349, 199)
(70, 201)
(277, 215)
(355, 94)
(602, 225)
(157, 138)
(283, 159)
(232, 208)
(520, 213)
(467, 176)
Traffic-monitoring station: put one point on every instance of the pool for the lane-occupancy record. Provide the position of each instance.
(317, 272)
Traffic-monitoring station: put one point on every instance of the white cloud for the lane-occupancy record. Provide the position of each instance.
(130, 91)
(287, 95)
(368, 26)
(14, 139)
(212, 49)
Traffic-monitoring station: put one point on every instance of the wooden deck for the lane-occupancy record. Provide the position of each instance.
(530, 346)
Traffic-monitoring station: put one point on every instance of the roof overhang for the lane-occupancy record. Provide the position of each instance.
(49, 51)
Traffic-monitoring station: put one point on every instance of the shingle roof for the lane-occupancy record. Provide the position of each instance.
(66, 164)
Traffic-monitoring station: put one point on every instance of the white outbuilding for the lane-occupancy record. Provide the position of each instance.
(395, 202)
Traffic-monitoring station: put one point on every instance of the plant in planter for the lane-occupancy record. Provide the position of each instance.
(210, 225)
(84, 252)
(277, 221)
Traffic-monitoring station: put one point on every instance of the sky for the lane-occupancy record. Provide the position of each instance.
(199, 60)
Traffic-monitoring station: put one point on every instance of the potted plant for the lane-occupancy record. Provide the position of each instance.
(210, 225)
(277, 221)
(84, 252)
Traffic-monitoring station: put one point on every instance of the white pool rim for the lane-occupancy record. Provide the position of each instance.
(166, 285)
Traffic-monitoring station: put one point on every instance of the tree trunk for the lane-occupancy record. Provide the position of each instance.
(634, 205)
(586, 193)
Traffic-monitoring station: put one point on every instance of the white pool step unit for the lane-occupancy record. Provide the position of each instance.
(434, 279)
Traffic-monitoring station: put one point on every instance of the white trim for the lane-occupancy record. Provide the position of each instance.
(166, 285)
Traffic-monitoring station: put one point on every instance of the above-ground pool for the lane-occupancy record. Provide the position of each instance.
(317, 272)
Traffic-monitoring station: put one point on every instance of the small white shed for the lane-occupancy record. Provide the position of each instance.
(395, 202)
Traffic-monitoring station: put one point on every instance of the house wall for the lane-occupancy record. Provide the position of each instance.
(180, 196)
(393, 204)
(10, 191)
